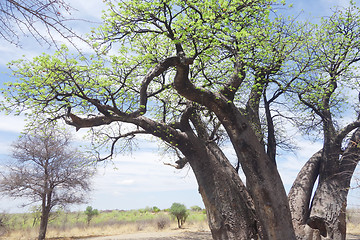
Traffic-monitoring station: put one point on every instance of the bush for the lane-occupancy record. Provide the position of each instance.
(179, 211)
(162, 222)
(90, 213)
(3, 224)
(155, 209)
(195, 208)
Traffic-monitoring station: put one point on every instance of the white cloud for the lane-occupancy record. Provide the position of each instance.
(11, 123)
(90, 10)
(143, 172)
(332, 3)
(126, 182)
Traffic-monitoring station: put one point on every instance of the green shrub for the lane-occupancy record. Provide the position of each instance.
(155, 209)
(195, 208)
(179, 211)
(90, 213)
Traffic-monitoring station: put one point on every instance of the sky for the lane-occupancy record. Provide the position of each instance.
(141, 179)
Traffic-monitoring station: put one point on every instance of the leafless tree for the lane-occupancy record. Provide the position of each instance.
(40, 19)
(48, 170)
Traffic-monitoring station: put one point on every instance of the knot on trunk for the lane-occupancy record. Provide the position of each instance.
(180, 164)
(318, 223)
(185, 60)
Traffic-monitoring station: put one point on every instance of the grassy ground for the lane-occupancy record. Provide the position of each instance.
(65, 225)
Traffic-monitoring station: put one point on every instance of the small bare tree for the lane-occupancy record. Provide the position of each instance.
(48, 170)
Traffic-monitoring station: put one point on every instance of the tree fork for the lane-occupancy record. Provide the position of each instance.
(261, 172)
(330, 200)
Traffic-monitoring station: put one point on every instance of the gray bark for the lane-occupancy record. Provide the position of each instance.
(300, 196)
(229, 207)
(325, 217)
(265, 185)
(45, 213)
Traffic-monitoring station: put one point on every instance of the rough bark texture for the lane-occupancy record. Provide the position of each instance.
(325, 217)
(263, 180)
(229, 207)
(330, 200)
(264, 183)
(300, 196)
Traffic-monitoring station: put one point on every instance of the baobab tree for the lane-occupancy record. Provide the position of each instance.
(196, 73)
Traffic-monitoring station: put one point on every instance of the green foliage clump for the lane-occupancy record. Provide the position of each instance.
(155, 209)
(90, 213)
(179, 211)
(195, 208)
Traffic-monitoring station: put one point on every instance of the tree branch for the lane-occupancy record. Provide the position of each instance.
(300, 193)
(235, 81)
(271, 140)
(345, 131)
(160, 68)
(79, 122)
(116, 139)
(311, 106)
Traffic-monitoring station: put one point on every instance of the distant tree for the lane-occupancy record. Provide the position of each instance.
(90, 213)
(155, 209)
(3, 224)
(179, 211)
(195, 208)
(36, 214)
(48, 170)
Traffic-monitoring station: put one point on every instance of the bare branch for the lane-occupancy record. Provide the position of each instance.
(26, 16)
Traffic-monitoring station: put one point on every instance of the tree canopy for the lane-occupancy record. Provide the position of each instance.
(179, 211)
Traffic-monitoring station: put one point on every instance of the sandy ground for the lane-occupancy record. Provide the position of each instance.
(353, 237)
(173, 235)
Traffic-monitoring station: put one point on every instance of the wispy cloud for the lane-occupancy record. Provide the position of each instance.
(11, 123)
(335, 3)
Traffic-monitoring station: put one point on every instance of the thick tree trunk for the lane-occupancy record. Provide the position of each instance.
(229, 207)
(300, 196)
(328, 209)
(264, 182)
(263, 179)
(326, 218)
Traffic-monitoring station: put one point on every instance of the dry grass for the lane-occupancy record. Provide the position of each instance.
(112, 226)
(353, 228)
(353, 221)
(104, 230)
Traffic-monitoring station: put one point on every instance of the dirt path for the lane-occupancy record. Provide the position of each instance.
(173, 235)
(353, 237)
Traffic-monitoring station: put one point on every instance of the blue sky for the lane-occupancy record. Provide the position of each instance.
(141, 179)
